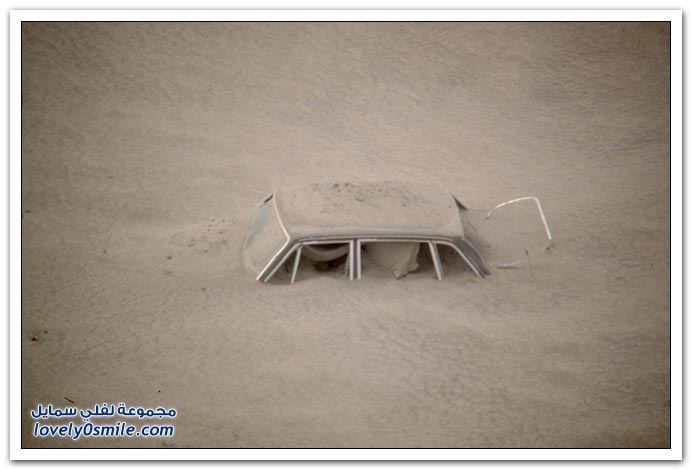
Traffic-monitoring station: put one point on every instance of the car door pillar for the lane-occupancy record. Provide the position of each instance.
(358, 259)
(351, 259)
(296, 261)
(436, 260)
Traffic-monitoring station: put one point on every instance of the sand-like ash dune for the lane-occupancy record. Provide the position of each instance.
(146, 146)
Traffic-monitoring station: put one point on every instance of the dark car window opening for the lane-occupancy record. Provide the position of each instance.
(451, 259)
(318, 256)
(396, 257)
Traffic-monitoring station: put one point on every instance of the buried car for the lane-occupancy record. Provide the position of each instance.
(328, 222)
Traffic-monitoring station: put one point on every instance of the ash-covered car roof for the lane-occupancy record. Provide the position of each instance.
(296, 218)
(367, 209)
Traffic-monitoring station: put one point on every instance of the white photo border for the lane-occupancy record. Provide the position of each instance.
(18, 453)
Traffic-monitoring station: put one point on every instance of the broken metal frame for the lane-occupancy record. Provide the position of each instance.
(545, 225)
(526, 198)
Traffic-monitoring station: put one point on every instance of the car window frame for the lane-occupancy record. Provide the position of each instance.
(354, 253)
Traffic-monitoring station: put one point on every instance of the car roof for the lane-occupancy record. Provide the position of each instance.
(364, 209)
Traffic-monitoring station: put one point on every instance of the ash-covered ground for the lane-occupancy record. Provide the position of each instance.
(146, 145)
